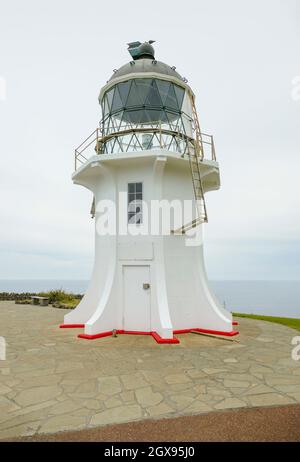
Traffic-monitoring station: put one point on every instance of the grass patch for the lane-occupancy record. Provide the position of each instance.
(61, 298)
(294, 323)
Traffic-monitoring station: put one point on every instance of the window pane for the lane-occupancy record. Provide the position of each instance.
(179, 95)
(134, 98)
(117, 102)
(131, 187)
(143, 87)
(131, 216)
(153, 99)
(154, 116)
(171, 101)
(163, 117)
(105, 106)
(135, 116)
(131, 197)
(135, 204)
(117, 117)
(124, 88)
(137, 208)
(171, 117)
(163, 88)
(109, 96)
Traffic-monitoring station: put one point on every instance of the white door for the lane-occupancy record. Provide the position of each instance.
(136, 302)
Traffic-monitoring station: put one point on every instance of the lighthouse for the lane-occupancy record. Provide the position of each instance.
(148, 167)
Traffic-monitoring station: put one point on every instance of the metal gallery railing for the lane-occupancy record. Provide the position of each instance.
(134, 139)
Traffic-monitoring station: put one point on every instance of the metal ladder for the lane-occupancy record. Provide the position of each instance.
(195, 156)
(93, 208)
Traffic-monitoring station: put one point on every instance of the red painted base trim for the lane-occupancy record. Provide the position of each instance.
(155, 335)
(207, 331)
(182, 331)
(217, 332)
(133, 332)
(71, 326)
(235, 323)
(92, 337)
(159, 339)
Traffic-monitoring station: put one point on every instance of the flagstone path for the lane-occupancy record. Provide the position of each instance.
(53, 381)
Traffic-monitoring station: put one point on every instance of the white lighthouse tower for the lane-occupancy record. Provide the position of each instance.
(149, 157)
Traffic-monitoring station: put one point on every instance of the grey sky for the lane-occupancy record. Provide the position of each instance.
(240, 58)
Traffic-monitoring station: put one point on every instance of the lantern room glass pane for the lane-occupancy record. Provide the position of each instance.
(117, 103)
(153, 98)
(133, 97)
(163, 88)
(154, 115)
(105, 106)
(110, 95)
(179, 95)
(171, 100)
(124, 88)
(143, 88)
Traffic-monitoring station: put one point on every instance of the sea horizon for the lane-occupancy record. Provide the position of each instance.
(265, 297)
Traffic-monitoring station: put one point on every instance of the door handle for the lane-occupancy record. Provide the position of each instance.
(146, 286)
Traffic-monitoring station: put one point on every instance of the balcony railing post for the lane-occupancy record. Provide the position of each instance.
(97, 140)
(160, 139)
(213, 148)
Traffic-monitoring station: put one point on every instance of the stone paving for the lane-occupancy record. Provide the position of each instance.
(53, 381)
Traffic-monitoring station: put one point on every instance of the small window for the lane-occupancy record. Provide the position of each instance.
(135, 203)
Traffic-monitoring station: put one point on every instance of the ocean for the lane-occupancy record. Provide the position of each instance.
(273, 298)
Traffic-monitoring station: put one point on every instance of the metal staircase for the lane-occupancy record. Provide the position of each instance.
(195, 155)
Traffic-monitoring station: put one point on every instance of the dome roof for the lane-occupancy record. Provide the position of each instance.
(145, 65)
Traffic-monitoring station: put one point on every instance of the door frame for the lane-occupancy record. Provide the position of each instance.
(144, 263)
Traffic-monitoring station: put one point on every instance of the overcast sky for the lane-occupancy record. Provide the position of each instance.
(240, 57)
